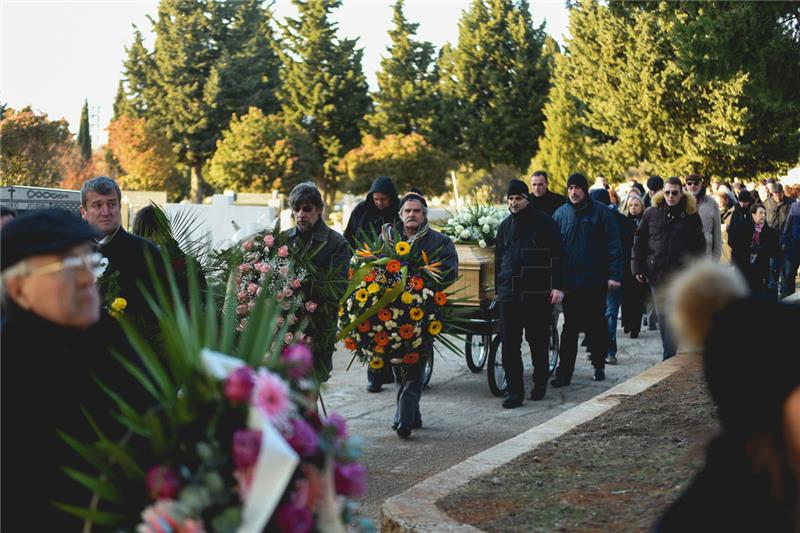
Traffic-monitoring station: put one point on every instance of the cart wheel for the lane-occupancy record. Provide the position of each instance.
(476, 350)
(553, 346)
(495, 371)
(427, 371)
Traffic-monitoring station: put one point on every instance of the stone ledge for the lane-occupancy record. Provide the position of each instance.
(415, 509)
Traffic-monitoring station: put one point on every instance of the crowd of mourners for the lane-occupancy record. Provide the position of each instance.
(588, 255)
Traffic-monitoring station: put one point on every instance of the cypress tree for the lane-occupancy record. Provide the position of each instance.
(138, 70)
(497, 81)
(84, 137)
(404, 103)
(323, 90)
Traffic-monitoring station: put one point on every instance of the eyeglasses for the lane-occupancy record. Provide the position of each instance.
(90, 261)
(672, 193)
(305, 208)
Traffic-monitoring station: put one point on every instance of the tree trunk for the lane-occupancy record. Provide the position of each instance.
(197, 185)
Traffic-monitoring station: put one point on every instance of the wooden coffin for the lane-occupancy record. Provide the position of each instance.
(475, 285)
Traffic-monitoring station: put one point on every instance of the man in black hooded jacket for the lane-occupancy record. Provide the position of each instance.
(380, 207)
(528, 283)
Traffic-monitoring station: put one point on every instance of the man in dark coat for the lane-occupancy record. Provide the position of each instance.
(127, 254)
(654, 185)
(754, 247)
(330, 255)
(55, 341)
(380, 207)
(790, 244)
(414, 229)
(527, 272)
(778, 206)
(542, 198)
(670, 233)
(592, 267)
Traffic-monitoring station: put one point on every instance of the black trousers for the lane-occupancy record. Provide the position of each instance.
(584, 310)
(534, 319)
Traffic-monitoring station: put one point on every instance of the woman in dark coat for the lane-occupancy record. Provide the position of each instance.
(750, 479)
(753, 244)
(633, 293)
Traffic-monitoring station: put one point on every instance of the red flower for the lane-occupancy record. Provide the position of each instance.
(417, 283)
(381, 338)
(440, 298)
(384, 314)
(350, 343)
(364, 326)
(393, 266)
(406, 331)
(411, 358)
(370, 277)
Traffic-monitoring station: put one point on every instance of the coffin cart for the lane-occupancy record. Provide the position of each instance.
(475, 287)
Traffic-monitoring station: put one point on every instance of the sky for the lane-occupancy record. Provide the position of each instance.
(56, 54)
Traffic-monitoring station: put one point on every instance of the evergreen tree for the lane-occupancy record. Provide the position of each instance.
(624, 100)
(405, 101)
(324, 90)
(139, 73)
(496, 80)
(84, 137)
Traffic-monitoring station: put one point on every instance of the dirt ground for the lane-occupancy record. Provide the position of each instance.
(615, 473)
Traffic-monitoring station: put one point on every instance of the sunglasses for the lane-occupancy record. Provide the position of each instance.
(692, 183)
(304, 209)
(672, 193)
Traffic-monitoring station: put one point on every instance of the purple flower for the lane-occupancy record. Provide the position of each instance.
(350, 479)
(271, 394)
(303, 438)
(239, 384)
(292, 519)
(337, 421)
(163, 483)
(246, 445)
(298, 358)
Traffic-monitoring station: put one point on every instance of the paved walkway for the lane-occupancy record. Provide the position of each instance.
(460, 416)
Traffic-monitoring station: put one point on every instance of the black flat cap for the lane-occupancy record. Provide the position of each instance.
(43, 231)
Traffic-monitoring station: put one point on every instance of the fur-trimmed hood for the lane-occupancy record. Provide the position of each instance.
(690, 203)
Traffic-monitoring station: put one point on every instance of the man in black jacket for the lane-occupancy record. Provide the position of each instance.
(528, 283)
(331, 254)
(127, 254)
(55, 343)
(381, 206)
(542, 198)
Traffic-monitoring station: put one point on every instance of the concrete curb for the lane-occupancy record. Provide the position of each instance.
(415, 509)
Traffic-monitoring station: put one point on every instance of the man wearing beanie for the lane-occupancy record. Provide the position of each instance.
(527, 270)
(592, 266)
(654, 184)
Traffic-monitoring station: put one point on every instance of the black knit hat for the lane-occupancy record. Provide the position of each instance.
(43, 231)
(655, 183)
(578, 180)
(517, 187)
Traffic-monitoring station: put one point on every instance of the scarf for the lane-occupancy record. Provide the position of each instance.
(757, 234)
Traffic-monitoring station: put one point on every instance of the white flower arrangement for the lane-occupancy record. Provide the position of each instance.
(476, 224)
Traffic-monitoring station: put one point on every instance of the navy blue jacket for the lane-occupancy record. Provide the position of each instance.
(592, 248)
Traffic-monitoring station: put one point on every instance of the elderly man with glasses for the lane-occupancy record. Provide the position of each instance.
(669, 234)
(55, 344)
(329, 251)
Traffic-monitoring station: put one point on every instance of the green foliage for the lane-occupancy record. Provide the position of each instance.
(405, 102)
(261, 153)
(84, 138)
(493, 85)
(622, 99)
(486, 186)
(409, 159)
(324, 90)
(31, 148)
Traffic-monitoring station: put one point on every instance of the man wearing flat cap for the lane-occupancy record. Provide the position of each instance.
(127, 254)
(54, 342)
(527, 273)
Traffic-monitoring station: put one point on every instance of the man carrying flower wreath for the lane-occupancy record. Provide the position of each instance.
(417, 235)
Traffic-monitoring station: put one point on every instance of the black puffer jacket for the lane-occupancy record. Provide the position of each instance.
(367, 220)
(666, 238)
(527, 259)
(549, 202)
